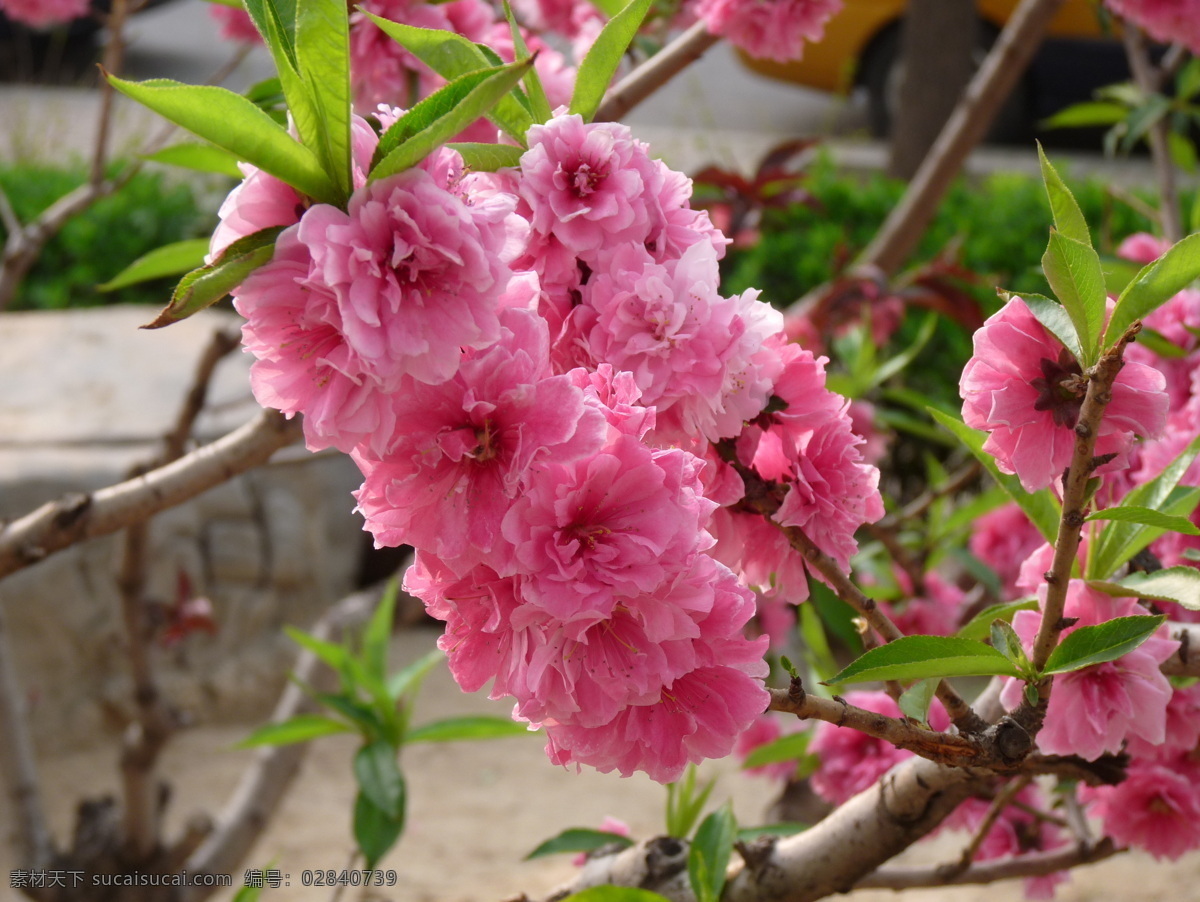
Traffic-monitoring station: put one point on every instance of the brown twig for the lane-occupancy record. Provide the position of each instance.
(655, 72)
(1036, 864)
(999, 803)
(1149, 80)
(114, 55)
(78, 517)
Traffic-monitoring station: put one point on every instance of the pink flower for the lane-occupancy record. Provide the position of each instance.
(1156, 807)
(44, 13)
(775, 29)
(765, 730)
(236, 24)
(851, 761)
(613, 524)
(460, 452)
(1094, 710)
(585, 183)
(1183, 726)
(1025, 389)
(1142, 247)
(1168, 21)
(416, 273)
(1003, 538)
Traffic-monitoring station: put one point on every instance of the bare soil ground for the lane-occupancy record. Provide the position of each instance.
(476, 809)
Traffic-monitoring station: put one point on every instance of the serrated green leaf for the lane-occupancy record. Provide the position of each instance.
(579, 839)
(1073, 270)
(1154, 285)
(926, 657)
(168, 260)
(323, 56)
(980, 626)
(232, 122)
(1089, 113)
(539, 105)
(1041, 509)
(378, 633)
(615, 894)
(1178, 584)
(602, 60)
(451, 55)
(488, 157)
(443, 115)
(1148, 517)
(1118, 542)
(197, 157)
(375, 830)
(456, 729)
(205, 286)
(1068, 218)
(708, 857)
(914, 702)
(300, 728)
(407, 681)
(1098, 644)
(1053, 315)
(1006, 641)
(378, 774)
(791, 747)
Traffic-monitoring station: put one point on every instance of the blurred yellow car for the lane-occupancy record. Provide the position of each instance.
(862, 44)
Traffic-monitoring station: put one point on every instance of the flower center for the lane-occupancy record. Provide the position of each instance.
(485, 439)
(583, 180)
(1061, 388)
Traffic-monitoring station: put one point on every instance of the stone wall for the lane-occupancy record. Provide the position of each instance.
(83, 397)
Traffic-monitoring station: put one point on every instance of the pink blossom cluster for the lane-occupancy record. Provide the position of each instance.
(1167, 21)
(533, 369)
(1025, 390)
(44, 13)
(771, 29)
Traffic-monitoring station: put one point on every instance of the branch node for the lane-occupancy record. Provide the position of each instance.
(796, 693)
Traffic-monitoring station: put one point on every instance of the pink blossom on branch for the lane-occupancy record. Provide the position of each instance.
(774, 29)
(1156, 807)
(1025, 389)
(1168, 21)
(44, 13)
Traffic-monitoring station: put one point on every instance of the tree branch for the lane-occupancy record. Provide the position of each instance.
(77, 517)
(1149, 80)
(655, 72)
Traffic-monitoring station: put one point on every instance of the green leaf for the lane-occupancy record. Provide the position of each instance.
(897, 364)
(708, 857)
(578, 839)
(378, 774)
(1148, 517)
(1006, 641)
(378, 633)
(454, 729)
(1073, 270)
(168, 260)
(820, 656)
(609, 893)
(1156, 284)
(409, 679)
(451, 55)
(366, 719)
(602, 60)
(323, 57)
(197, 157)
(980, 626)
(232, 122)
(791, 747)
(334, 655)
(488, 157)
(749, 834)
(684, 803)
(1051, 314)
(1097, 644)
(924, 657)
(1089, 113)
(538, 102)
(441, 116)
(1178, 584)
(1182, 151)
(375, 830)
(915, 701)
(1160, 344)
(1068, 218)
(300, 728)
(1121, 541)
(1041, 509)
